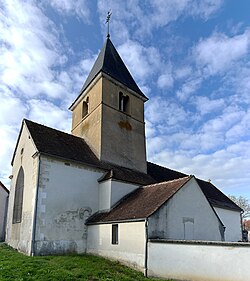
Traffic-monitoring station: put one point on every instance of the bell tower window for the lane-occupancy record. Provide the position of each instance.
(85, 108)
(123, 102)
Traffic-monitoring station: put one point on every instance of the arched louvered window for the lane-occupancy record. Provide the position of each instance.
(123, 103)
(85, 107)
(18, 201)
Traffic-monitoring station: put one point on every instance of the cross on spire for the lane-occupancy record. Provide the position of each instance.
(107, 21)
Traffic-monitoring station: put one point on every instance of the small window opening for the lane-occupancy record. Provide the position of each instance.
(114, 234)
(85, 107)
(123, 102)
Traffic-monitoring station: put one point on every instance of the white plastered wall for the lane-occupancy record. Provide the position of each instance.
(199, 262)
(232, 221)
(130, 249)
(119, 190)
(19, 235)
(186, 216)
(68, 195)
(3, 205)
(111, 191)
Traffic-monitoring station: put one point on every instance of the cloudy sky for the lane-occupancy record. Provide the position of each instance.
(191, 58)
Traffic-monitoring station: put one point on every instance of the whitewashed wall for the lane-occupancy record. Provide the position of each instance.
(186, 216)
(3, 205)
(232, 221)
(130, 249)
(111, 191)
(68, 195)
(199, 262)
(120, 189)
(105, 195)
(19, 235)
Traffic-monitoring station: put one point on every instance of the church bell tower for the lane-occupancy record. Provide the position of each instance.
(109, 112)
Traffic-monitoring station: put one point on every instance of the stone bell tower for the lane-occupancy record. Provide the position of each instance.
(109, 112)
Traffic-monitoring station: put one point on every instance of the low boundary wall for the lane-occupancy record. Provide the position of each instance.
(199, 260)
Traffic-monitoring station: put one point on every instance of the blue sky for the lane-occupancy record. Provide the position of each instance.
(191, 58)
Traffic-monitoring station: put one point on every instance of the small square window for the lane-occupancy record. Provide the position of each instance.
(114, 234)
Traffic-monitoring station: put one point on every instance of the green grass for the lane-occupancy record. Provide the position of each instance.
(16, 266)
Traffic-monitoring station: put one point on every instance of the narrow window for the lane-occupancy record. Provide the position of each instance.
(114, 234)
(123, 102)
(85, 108)
(126, 104)
(18, 200)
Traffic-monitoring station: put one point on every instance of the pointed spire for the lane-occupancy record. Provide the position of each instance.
(110, 63)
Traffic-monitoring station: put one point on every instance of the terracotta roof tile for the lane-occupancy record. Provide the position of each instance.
(141, 203)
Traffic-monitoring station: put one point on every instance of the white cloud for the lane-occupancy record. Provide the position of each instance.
(228, 169)
(182, 72)
(217, 53)
(12, 109)
(49, 114)
(188, 88)
(68, 7)
(241, 129)
(205, 105)
(141, 62)
(170, 114)
(164, 12)
(158, 14)
(29, 50)
(32, 74)
(165, 81)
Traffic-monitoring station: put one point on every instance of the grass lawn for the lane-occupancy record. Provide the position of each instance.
(16, 266)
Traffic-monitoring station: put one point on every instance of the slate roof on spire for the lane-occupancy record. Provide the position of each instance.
(110, 62)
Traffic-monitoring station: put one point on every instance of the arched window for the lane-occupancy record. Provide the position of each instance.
(123, 102)
(85, 107)
(18, 200)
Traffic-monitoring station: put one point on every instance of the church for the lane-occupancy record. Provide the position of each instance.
(93, 191)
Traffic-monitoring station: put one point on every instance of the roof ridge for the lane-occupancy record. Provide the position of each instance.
(166, 168)
(169, 181)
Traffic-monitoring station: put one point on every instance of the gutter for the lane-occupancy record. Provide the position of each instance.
(32, 252)
(146, 249)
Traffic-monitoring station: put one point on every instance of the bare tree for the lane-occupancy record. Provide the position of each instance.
(247, 225)
(243, 203)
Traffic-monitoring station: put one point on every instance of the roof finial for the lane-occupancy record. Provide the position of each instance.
(107, 21)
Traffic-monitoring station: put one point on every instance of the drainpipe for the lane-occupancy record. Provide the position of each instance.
(32, 253)
(146, 249)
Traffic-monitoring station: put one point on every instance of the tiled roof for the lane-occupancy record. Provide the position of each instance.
(110, 62)
(60, 144)
(126, 174)
(4, 187)
(213, 194)
(67, 146)
(141, 203)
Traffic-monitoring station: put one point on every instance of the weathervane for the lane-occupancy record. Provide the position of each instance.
(107, 21)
